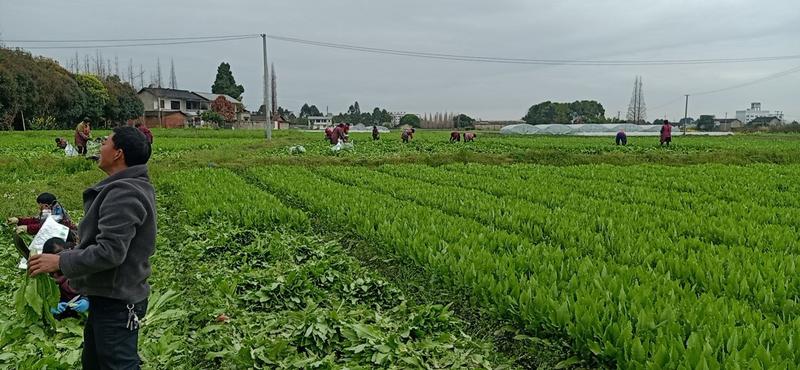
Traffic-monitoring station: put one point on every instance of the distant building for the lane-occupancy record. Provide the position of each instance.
(170, 107)
(178, 108)
(726, 124)
(320, 122)
(748, 115)
(242, 115)
(766, 121)
(396, 116)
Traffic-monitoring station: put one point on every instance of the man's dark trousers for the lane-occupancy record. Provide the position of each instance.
(107, 341)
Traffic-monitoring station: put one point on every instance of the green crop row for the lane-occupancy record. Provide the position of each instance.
(626, 314)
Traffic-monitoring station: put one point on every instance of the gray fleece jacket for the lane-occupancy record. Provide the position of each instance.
(117, 238)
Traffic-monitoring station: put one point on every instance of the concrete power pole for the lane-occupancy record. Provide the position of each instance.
(268, 131)
(685, 114)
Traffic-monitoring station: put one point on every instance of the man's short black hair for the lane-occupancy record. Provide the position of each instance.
(137, 124)
(133, 144)
(58, 140)
(87, 120)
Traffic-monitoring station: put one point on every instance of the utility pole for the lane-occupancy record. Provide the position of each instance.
(685, 114)
(268, 131)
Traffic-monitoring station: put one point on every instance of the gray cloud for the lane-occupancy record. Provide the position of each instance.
(610, 29)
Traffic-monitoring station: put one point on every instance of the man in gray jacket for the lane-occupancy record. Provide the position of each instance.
(111, 263)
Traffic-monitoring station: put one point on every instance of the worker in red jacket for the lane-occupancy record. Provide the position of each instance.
(666, 133)
(146, 131)
(468, 136)
(48, 206)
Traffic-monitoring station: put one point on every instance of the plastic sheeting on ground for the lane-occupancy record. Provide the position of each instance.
(595, 129)
(362, 128)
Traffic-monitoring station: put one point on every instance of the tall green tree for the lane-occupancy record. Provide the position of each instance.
(463, 120)
(584, 111)
(95, 96)
(705, 122)
(123, 104)
(411, 120)
(307, 110)
(224, 83)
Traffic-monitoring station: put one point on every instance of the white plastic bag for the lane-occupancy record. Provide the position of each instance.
(50, 229)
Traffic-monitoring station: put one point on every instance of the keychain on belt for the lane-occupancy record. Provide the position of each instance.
(133, 320)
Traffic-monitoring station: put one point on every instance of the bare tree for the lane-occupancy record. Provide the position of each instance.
(158, 73)
(637, 110)
(141, 76)
(173, 80)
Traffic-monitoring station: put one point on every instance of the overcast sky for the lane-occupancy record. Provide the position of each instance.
(563, 29)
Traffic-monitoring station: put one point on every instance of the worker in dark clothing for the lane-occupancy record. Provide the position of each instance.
(455, 136)
(375, 134)
(622, 138)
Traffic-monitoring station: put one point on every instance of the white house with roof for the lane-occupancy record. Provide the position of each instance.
(320, 122)
(748, 115)
(242, 115)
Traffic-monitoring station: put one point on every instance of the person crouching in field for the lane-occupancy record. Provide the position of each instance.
(468, 137)
(622, 138)
(69, 150)
(70, 302)
(48, 206)
(455, 136)
(375, 133)
(666, 133)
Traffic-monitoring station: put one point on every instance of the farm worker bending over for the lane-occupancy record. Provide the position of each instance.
(622, 138)
(407, 134)
(666, 133)
(375, 134)
(455, 136)
(111, 263)
(328, 133)
(70, 302)
(146, 131)
(468, 136)
(69, 150)
(339, 134)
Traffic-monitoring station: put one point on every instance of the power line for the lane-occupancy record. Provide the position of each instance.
(492, 59)
(136, 44)
(138, 39)
(753, 82)
(748, 83)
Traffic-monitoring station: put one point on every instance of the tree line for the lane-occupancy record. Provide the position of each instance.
(37, 93)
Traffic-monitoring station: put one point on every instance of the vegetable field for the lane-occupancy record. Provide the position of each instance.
(508, 252)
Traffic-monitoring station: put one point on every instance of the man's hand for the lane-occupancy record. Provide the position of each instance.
(12, 220)
(21, 229)
(43, 263)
